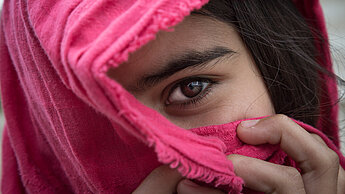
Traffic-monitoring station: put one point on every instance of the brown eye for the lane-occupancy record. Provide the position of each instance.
(187, 90)
(192, 89)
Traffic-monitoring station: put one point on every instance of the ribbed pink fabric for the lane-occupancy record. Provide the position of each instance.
(71, 129)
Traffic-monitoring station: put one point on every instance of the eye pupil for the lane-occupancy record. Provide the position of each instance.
(192, 89)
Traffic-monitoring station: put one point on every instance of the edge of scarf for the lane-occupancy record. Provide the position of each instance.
(163, 20)
(166, 153)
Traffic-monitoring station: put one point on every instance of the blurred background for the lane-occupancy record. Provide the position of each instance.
(335, 18)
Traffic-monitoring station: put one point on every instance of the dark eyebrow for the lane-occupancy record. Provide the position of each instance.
(189, 59)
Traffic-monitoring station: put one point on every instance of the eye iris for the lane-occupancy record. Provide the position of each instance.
(192, 89)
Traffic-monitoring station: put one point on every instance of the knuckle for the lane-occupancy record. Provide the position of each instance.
(291, 181)
(328, 158)
(281, 117)
(293, 177)
(318, 138)
(292, 173)
(332, 158)
(328, 162)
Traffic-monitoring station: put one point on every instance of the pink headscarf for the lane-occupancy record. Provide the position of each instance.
(71, 129)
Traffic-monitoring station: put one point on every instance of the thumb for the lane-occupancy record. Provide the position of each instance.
(189, 187)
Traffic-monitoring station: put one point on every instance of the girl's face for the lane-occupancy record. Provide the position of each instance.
(199, 74)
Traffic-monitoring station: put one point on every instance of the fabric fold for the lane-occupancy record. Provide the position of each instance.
(72, 129)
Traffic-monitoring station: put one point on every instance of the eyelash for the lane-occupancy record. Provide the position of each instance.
(196, 100)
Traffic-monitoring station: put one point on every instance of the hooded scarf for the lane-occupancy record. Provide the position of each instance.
(71, 129)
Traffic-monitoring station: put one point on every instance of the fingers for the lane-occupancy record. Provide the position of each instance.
(162, 180)
(341, 181)
(319, 164)
(189, 187)
(267, 177)
(318, 138)
(294, 140)
(341, 172)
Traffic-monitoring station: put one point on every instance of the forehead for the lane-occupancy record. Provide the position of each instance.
(195, 32)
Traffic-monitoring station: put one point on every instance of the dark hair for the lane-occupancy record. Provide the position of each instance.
(283, 47)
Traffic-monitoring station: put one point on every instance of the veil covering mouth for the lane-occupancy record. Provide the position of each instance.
(71, 129)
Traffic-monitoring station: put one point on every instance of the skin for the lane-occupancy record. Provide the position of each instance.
(238, 94)
(240, 89)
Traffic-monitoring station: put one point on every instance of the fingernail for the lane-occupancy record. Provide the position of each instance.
(190, 183)
(249, 123)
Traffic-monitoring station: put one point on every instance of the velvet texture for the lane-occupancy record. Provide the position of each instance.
(71, 129)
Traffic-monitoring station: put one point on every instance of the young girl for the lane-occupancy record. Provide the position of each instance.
(217, 97)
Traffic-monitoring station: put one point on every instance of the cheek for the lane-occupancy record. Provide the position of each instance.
(247, 99)
(252, 98)
(244, 96)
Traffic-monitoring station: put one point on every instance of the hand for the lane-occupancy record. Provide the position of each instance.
(321, 172)
(164, 180)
